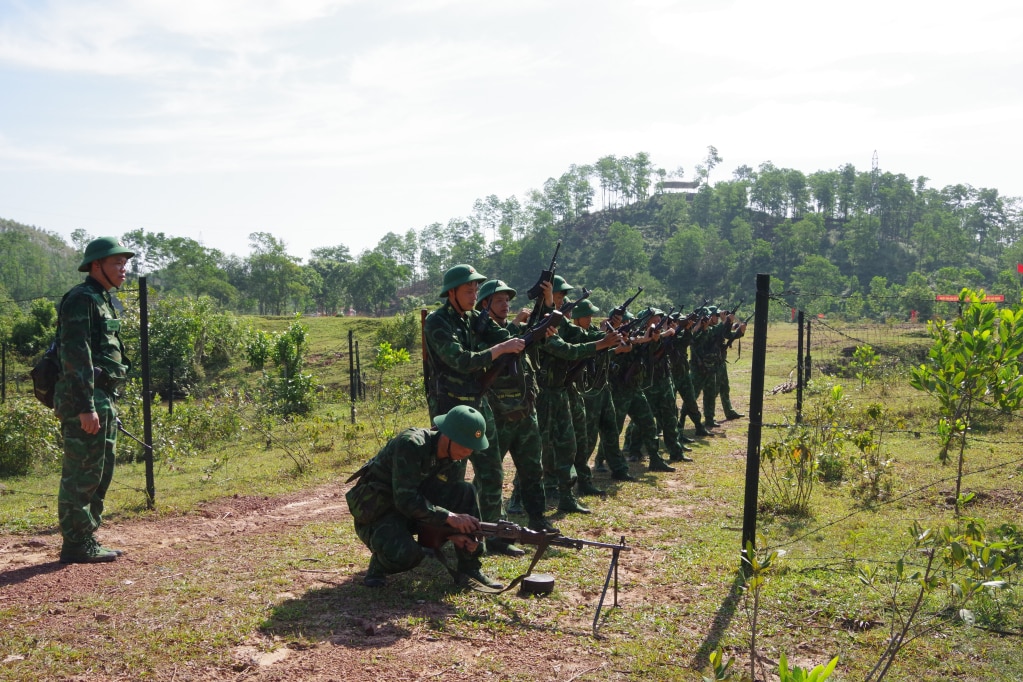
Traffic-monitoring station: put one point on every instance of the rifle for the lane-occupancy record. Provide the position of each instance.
(628, 327)
(535, 332)
(735, 309)
(433, 538)
(546, 275)
(620, 310)
(484, 317)
(536, 292)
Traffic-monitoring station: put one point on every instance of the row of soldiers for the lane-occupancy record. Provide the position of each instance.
(547, 391)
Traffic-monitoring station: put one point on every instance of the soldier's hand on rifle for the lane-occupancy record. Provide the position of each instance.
(523, 316)
(548, 293)
(463, 523)
(610, 339)
(509, 346)
(464, 542)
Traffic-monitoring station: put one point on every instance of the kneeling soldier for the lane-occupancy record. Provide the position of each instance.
(416, 479)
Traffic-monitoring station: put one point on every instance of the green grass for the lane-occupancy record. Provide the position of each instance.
(679, 598)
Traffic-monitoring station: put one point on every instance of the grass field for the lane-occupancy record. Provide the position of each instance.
(298, 586)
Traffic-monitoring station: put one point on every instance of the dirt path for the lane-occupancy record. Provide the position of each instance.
(222, 533)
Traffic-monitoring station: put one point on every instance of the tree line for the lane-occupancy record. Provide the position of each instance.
(839, 242)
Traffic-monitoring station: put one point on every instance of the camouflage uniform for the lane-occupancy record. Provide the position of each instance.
(628, 375)
(513, 398)
(93, 368)
(660, 395)
(456, 353)
(404, 485)
(554, 410)
(683, 381)
(706, 364)
(601, 418)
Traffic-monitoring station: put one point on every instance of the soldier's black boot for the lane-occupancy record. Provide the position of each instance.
(86, 552)
(375, 576)
(658, 464)
(586, 487)
(541, 525)
(568, 502)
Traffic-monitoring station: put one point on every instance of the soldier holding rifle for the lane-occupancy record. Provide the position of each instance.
(417, 479)
(461, 342)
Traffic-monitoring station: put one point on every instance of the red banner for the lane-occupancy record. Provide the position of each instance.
(1019, 268)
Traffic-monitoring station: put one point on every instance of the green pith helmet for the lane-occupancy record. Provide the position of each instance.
(494, 286)
(465, 425)
(713, 310)
(628, 315)
(459, 275)
(559, 284)
(101, 248)
(584, 309)
(651, 311)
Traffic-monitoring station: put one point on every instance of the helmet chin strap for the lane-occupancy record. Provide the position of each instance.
(105, 281)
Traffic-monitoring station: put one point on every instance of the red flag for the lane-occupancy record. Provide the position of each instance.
(1019, 268)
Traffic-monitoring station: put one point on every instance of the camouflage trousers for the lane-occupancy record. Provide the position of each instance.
(683, 381)
(642, 428)
(391, 537)
(521, 438)
(602, 420)
(661, 397)
(705, 381)
(487, 465)
(554, 412)
(581, 462)
(724, 390)
(87, 469)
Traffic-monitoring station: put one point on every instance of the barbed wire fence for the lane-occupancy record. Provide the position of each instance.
(828, 353)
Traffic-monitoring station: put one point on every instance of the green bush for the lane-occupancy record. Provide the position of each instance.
(29, 437)
(401, 331)
(290, 392)
(196, 425)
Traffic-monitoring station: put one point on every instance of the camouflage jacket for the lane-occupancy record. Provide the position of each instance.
(90, 349)
(513, 394)
(457, 353)
(391, 481)
(557, 354)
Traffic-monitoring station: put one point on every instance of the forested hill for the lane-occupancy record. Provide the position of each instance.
(841, 242)
(35, 263)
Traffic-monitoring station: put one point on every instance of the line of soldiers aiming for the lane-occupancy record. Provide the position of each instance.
(549, 381)
(543, 385)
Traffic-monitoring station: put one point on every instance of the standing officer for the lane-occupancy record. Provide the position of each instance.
(416, 478)
(93, 369)
(459, 347)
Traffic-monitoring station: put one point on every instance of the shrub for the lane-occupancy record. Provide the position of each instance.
(401, 331)
(29, 437)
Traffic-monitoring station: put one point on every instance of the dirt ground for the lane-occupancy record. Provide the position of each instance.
(369, 648)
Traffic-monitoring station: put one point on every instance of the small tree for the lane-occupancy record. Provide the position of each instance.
(974, 362)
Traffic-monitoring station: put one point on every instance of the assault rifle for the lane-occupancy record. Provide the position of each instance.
(620, 310)
(638, 322)
(546, 275)
(432, 538)
(484, 317)
(735, 309)
(535, 332)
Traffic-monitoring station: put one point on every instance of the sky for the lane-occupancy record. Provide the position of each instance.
(328, 122)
